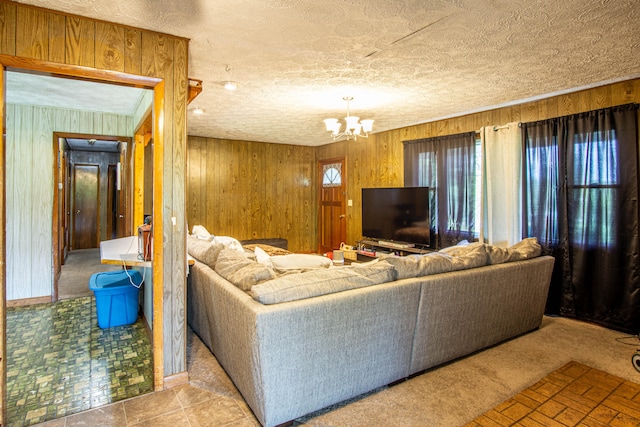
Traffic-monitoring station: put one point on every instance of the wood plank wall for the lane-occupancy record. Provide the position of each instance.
(378, 160)
(251, 190)
(35, 33)
(29, 183)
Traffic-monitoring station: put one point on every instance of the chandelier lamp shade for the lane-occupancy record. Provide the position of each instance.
(354, 127)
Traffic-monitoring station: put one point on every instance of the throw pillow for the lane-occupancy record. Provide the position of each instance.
(300, 262)
(229, 242)
(203, 250)
(525, 249)
(243, 272)
(201, 232)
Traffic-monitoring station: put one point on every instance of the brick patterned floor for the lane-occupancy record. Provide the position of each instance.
(59, 362)
(574, 395)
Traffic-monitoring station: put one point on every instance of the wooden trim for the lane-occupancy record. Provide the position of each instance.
(175, 380)
(55, 228)
(158, 234)
(77, 72)
(3, 239)
(195, 87)
(138, 180)
(104, 76)
(28, 301)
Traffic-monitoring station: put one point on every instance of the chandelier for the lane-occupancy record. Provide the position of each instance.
(354, 126)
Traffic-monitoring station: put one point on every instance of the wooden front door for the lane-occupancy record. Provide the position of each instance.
(86, 180)
(332, 217)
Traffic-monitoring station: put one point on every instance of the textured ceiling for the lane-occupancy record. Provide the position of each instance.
(404, 62)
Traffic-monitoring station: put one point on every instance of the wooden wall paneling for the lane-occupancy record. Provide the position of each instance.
(138, 180)
(195, 186)
(80, 48)
(625, 92)
(4, 122)
(20, 183)
(9, 245)
(529, 112)
(211, 209)
(158, 258)
(160, 64)
(240, 187)
(57, 37)
(256, 189)
(109, 47)
(274, 155)
(178, 246)
(132, 51)
(41, 213)
(568, 104)
(8, 28)
(110, 124)
(32, 33)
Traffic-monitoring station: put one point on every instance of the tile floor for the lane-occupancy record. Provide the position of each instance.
(59, 362)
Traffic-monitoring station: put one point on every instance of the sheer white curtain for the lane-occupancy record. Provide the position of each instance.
(502, 184)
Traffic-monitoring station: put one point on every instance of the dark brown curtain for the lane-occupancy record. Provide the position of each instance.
(581, 202)
(447, 165)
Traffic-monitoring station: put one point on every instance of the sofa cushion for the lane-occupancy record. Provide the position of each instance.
(203, 250)
(299, 262)
(496, 254)
(268, 249)
(200, 232)
(474, 255)
(321, 282)
(243, 272)
(525, 249)
(423, 265)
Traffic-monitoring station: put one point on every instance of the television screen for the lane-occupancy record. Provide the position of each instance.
(397, 214)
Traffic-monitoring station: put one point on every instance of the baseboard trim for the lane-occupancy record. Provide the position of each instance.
(175, 380)
(28, 301)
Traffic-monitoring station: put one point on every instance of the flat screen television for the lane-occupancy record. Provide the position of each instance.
(397, 214)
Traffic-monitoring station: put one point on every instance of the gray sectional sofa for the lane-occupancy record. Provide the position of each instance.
(304, 349)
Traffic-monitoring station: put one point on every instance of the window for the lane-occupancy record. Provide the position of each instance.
(452, 167)
(580, 201)
(332, 176)
(593, 189)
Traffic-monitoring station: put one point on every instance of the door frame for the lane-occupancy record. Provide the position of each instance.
(15, 63)
(343, 214)
(97, 199)
(57, 220)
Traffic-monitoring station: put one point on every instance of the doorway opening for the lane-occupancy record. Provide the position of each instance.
(88, 173)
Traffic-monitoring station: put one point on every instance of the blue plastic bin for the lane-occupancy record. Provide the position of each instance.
(116, 298)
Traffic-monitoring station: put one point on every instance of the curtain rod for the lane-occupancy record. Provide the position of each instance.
(496, 128)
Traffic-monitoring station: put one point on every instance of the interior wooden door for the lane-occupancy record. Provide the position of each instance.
(332, 217)
(86, 203)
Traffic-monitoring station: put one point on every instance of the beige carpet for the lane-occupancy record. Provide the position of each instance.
(76, 271)
(574, 395)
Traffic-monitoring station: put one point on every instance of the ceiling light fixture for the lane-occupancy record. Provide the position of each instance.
(230, 84)
(354, 126)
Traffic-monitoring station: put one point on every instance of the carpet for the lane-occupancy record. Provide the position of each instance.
(574, 395)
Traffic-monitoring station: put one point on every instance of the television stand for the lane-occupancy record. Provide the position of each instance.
(369, 249)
